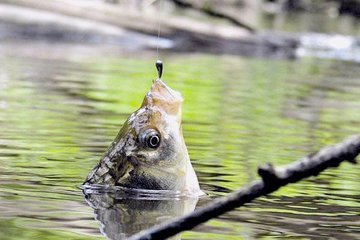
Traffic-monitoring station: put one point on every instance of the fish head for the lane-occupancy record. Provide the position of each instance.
(156, 128)
(150, 152)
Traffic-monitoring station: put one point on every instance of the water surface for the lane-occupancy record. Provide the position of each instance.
(61, 106)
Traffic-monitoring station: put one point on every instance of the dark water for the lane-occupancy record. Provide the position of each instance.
(61, 106)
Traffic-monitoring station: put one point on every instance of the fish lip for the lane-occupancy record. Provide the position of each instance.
(161, 92)
(167, 88)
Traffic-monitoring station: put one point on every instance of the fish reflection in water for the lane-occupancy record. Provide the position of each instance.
(123, 212)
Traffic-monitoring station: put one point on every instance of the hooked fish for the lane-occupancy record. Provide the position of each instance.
(149, 152)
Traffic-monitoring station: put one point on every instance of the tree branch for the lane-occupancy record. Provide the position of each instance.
(273, 178)
(208, 11)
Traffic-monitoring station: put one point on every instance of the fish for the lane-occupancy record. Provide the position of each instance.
(149, 151)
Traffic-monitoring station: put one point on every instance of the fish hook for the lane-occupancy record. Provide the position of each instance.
(159, 67)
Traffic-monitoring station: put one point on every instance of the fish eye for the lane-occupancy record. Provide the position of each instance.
(150, 138)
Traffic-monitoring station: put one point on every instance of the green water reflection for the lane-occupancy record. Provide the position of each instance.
(59, 114)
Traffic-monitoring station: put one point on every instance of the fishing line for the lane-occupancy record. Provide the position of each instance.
(159, 29)
(159, 64)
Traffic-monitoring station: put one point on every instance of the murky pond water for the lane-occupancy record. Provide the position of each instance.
(61, 106)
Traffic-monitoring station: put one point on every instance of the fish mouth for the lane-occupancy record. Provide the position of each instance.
(163, 98)
(160, 86)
